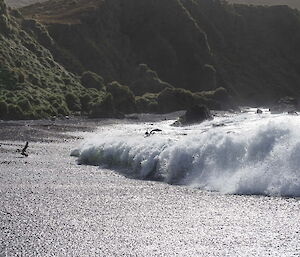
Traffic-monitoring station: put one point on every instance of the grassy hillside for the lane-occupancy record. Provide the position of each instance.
(21, 3)
(33, 85)
(65, 56)
(192, 44)
(112, 38)
(291, 3)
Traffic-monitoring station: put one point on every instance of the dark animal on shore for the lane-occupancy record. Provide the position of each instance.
(259, 111)
(147, 133)
(218, 125)
(23, 151)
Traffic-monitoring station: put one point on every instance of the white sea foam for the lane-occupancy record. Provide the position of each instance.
(250, 154)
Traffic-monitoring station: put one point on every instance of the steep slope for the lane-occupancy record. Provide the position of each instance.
(256, 49)
(21, 3)
(32, 84)
(290, 3)
(113, 39)
(193, 44)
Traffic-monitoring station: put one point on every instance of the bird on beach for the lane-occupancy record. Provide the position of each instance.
(23, 151)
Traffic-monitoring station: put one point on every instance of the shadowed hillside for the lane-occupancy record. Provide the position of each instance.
(291, 3)
(114, 38)
(256, 49)
(197, 45)
(33, 85)
(104, 58)
(21, 3)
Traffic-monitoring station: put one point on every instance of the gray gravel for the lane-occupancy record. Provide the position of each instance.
(50, 206)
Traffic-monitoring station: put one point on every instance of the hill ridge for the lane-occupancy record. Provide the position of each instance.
(238, 52)
(165, 55)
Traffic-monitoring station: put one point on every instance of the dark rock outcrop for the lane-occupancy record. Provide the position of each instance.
(197, 113)
(194, 114)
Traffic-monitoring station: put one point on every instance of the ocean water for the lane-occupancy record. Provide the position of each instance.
(245, 153)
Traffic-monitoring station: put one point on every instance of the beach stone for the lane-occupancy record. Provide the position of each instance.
(194, 114)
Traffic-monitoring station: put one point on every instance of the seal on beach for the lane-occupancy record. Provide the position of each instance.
(147, 133)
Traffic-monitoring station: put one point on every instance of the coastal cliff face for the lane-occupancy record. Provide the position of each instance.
(20, 3)
(197, 45)
(291, 3)
(35, 84)
(32, 84)
(255, 48)
(189, 50)
(114, 37)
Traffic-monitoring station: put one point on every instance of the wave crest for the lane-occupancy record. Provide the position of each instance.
(258, 156)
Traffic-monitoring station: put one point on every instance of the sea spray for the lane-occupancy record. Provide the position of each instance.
(250, 154)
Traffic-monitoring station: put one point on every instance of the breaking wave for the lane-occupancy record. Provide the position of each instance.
(237, 154)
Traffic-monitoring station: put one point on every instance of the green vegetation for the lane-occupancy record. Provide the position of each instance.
(3, 108)
(146, 80)
(33, 85)
(198, 45)
(93, 57)
(103, 108)
(124, 100)
(92, 80)
(147, 103)
(174, 99)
